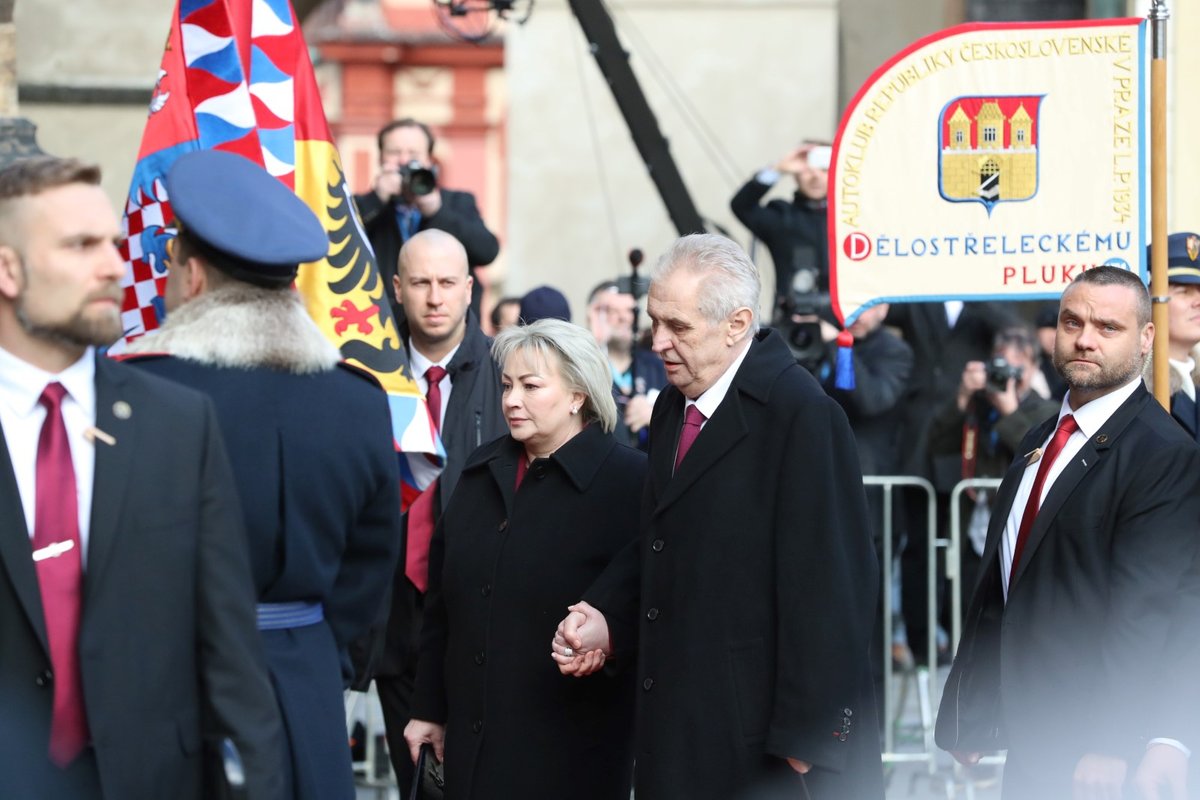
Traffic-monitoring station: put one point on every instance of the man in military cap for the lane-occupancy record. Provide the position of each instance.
(1183, 328)
(310, 441)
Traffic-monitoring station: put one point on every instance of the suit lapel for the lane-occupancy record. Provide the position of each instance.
(1086, 459)
(1002, 506)
(16, 553)
(114, 463)
(1184, 409)
(726, 428)
(662, 449)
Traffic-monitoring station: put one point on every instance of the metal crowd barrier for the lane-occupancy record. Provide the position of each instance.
(893, 706)
(928, 689)
(956, 526)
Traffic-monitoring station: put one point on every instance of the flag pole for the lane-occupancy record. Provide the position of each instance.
(1158, 196)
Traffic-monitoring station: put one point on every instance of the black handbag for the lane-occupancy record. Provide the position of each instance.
(428, 779)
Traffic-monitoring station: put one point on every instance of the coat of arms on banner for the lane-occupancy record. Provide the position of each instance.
(988, 149)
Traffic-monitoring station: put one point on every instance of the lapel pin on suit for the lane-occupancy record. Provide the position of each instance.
(122, 410)
(94, 434)
(1033, 456)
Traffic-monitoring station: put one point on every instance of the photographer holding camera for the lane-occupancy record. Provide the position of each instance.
(977, 435)
(793, 231)
(406, 199)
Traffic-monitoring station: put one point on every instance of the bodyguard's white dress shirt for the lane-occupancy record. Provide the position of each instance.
(21, 415)
(423, 471)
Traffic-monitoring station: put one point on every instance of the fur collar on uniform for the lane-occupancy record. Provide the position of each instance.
(244, 326)
(1175, 381)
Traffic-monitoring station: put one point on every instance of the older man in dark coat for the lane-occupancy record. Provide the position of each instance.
(310, 441)
(758, 578)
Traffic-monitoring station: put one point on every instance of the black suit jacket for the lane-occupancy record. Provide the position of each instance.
(758, 589)
(168, 647)
(1075, 661)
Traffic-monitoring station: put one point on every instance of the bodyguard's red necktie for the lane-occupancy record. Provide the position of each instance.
(1066, 427)
(57, 558)
(421, 513)
(693, 418)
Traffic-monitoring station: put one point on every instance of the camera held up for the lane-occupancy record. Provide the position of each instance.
(798, 319)
(418, 179)
(1000, 372)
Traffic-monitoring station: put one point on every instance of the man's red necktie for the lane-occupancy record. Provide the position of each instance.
(57, 558)
(433, 395)
(1066, 427)
(421, 515)
(692, 420)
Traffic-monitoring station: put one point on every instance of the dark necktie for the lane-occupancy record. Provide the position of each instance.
(692, 420)
(1066, 427)
(421, 515)
(57, 559)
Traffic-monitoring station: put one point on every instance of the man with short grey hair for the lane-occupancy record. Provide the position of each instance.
(757, 574)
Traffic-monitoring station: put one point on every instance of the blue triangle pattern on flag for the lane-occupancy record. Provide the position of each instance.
(187, 7)
(280, 142)
(215, 130)
(262, 70)
(222, 64)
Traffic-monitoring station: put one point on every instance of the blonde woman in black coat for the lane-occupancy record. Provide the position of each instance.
(535, 520)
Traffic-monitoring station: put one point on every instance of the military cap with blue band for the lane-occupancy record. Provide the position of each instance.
(1183, 258)
(258, 227)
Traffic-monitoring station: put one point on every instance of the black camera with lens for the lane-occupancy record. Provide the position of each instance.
(418, 179)
(798, 320)
(1000, 372)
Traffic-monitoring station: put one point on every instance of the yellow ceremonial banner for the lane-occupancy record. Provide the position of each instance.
(991, 162)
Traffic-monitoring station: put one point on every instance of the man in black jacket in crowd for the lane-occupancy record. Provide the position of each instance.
(401, 203)
(794, 231)
(943, 338)
(446, 349)
(978, 433)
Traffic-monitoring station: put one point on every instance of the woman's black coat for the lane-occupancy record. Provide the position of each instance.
(504, 565)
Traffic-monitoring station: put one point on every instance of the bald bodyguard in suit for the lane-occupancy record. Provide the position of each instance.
(758, 578)
(1069, 658)
(127, 626)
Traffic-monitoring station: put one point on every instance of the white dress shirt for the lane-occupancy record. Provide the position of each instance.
(423, 471)
(21, 415)
(1184, 369)
(954, 309)
(1090, 417)
(708, 401)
